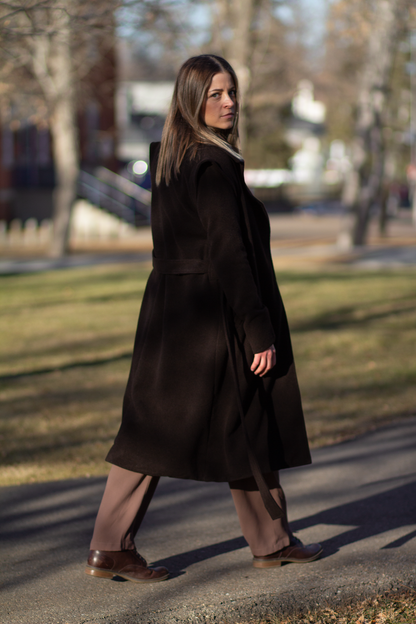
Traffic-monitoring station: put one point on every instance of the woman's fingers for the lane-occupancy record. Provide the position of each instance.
(256, 362)
(264, 361)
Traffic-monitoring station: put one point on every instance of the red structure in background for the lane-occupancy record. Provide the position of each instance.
(96, 119)
(26, 162)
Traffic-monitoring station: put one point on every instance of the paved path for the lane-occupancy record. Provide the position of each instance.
(358, 499)
(296, 240)
(36, 265)
(287, 256)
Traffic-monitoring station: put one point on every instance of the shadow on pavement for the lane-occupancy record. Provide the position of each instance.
(46, 527)
(371, 516)
(177, 563)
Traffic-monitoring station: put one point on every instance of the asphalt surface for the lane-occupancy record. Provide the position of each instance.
(296, 239)
(358, 499)
(19, 266)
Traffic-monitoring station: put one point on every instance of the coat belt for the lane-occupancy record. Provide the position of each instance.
(170, 266)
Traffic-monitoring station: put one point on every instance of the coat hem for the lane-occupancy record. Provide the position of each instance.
(176, 475)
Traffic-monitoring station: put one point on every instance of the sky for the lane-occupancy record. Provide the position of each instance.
(197, 15)
(315, 13)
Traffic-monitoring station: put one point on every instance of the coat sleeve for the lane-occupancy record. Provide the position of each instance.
(219, 210)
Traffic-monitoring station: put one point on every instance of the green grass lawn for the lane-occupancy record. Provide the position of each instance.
(66, 338)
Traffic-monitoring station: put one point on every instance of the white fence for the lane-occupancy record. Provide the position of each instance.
(25, 234)
(88, 224)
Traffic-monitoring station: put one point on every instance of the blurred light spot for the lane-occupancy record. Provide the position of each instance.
(140, 167)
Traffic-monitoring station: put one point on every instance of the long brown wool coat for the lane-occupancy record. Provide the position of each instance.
(180, 415)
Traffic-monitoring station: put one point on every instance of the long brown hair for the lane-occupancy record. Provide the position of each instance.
(184, 125)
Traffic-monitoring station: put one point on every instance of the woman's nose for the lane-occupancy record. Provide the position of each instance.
(228, 101)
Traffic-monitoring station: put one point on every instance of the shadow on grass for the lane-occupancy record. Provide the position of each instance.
(72, 347)
(135, 294)
(64, 367)
(384, 387)
(341, 275)
(344, 317)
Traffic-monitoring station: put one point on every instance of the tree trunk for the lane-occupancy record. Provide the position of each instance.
(387, 208)
(370, 183)
(239, 54)
(52, 66)
(64, 136)
(368, 148)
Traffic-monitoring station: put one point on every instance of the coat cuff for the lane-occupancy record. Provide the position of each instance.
(259, 331)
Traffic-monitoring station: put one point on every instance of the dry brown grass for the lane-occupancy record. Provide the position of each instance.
(390, 608)
(354, 336)
(66, 339)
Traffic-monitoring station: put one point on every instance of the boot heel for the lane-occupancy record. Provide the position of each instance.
(99, 573)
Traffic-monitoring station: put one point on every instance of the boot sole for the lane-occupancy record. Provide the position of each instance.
(270, 563)
(108, 574)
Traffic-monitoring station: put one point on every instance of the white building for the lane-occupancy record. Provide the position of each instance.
(141, 109)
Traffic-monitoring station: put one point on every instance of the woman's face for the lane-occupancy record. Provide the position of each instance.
(220, 105)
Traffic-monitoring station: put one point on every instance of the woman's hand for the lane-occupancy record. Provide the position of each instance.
(264, 361)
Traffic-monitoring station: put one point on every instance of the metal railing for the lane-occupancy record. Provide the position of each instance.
(116, 195)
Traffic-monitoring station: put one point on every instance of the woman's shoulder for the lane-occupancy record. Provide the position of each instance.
(211, 163)
(204, 155)
(215, 153)
(200, 153)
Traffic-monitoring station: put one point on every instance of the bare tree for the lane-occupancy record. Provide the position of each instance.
(232, 36)
(265, 55)
(368, 147)
(48, 47)
(52, 66)
(47, 44)
(360, 86)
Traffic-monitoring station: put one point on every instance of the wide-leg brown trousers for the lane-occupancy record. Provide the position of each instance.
(128, 494)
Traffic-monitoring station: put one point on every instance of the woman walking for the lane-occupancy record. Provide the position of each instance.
(212, 393)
